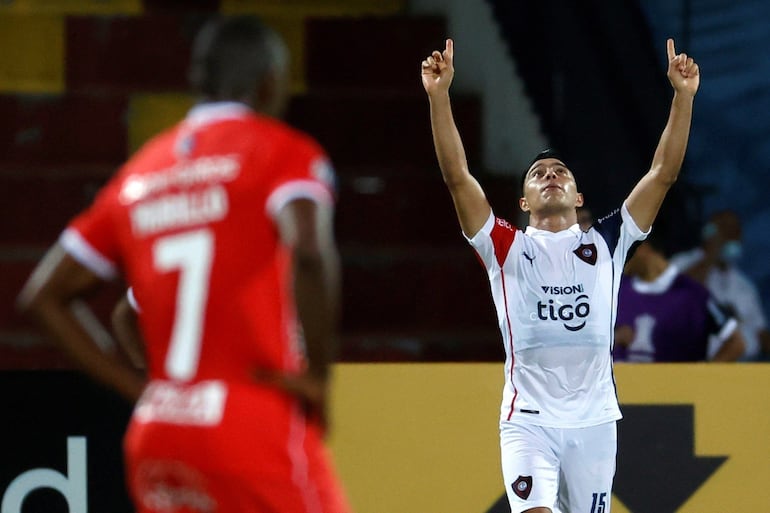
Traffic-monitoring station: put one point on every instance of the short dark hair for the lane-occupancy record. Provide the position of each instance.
(548, 153)
(232, 55)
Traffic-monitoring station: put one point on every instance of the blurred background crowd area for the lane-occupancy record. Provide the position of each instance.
(83, 83)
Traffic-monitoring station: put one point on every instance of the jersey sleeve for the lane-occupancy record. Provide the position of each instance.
(305, 172)
(619, 231)
(91, 238)
(493, 241)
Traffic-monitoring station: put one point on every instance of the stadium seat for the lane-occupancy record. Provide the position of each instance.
(63, 129)
(411, 288)
(372, 53)
(129, 54)
(407, 206)
(37, 203)
(313, 7)
(103, 7)
(379, 210)
(32, 56)
(149, 114)
(150, 53)
(380, 128)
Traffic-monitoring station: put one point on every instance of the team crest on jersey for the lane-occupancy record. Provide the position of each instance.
(586, 253)
(522, 487)
(184, 146)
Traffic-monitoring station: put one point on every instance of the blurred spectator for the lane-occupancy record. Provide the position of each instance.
(666, 316)
(713, 264)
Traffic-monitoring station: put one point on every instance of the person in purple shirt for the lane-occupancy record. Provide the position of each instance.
(666, 316)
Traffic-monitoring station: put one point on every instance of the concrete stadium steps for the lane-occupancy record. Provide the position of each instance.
(63, 129)
(372, 53)
(381, 128)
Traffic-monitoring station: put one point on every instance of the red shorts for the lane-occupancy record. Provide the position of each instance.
(231, 448)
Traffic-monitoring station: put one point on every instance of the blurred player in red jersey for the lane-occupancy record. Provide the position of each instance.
(222, 226)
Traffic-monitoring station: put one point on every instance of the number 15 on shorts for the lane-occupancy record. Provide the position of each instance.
(597, 504)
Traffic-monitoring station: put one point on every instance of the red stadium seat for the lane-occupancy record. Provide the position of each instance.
(381, 129)
(376, 53)
(63, 129)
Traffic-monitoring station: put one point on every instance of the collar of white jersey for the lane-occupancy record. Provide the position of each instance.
(211, 112)
(659, 285)
(573, 230)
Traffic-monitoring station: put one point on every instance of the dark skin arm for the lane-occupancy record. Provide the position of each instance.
(58, 283)
(307, 228)
(764, 341)
(732, 348)
(125, 325)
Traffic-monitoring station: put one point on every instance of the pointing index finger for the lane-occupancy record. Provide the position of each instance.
(670, 49)
(449, 51)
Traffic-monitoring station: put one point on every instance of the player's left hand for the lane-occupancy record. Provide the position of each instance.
(311, 390)
(683, 72)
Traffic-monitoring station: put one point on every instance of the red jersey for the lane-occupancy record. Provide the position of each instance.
(189, 220)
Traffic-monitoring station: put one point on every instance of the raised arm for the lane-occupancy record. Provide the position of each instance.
(646, 198)
(470, 202)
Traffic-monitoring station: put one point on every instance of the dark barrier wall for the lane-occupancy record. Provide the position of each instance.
(60, 445)
(422, 438)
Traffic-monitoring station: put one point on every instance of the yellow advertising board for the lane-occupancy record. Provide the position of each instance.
(423, 438)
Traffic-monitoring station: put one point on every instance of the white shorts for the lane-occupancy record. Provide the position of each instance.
(568, 470)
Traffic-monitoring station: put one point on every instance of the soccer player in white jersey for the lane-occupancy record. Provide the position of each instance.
(555, 289)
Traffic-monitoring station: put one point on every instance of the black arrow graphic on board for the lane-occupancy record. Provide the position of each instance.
(657, 470)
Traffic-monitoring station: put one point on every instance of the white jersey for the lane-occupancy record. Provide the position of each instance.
(555, 296)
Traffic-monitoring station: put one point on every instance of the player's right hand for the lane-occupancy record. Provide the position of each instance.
(438, 70)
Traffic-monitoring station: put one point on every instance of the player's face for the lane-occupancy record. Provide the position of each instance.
(550, 187)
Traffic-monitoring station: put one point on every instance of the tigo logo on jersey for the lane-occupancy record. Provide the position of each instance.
(571, 315)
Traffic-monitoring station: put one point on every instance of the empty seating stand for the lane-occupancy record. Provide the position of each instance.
(410, 290)
(111, 73)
